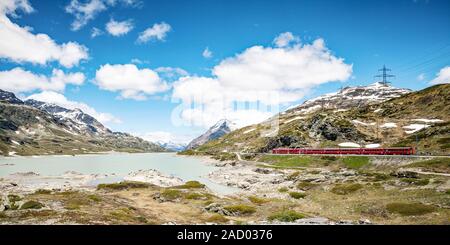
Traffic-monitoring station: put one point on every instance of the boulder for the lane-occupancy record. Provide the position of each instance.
(262, 170)
(217, 208)
(405, 174)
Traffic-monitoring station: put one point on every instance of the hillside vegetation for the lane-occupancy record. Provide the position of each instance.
(420, 119)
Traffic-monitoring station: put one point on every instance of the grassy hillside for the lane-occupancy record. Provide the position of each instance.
(390, 123)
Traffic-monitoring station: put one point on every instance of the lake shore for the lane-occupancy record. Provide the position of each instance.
(270, 190)
(26, 180)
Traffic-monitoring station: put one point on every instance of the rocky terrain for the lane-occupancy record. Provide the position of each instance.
(394, 117)
(299, 190)
(34, 128)
(350, 97)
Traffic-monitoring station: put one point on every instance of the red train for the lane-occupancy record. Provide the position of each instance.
(349, 151)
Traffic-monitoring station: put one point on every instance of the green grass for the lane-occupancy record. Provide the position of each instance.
(355, 162)
(375, 176)
(297, 195)
(293, 176)
(344, 189)
(43, 191)
(420, 182)
(240, 209)
(286, 216)
(195, 196)
(224, 156)
(170, 194)
(434, 165)
(95, 198)
(257, 200)
(287, 161)
(191, 185)
(217, 218)
(304, 185)
(126, 215)
(14, 198)
(123, 185)
(409, 209)
(76, 202)
(32, 205)
(283, 189)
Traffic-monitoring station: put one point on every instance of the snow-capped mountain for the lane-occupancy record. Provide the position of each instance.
(350, 97)
(219, 129)
(35, 127)
(75, 119)
(9, 97)
(172, 146)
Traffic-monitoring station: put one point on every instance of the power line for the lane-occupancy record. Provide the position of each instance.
(426, 62)
(422, 57)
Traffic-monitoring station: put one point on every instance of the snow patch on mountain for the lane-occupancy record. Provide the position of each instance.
(350, 97)
(388, 125)
(412, 128)
(76, 120)
(349, 144)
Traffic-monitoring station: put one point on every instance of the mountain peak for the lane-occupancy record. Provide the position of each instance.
(9, 97)
(222, 127)
(223, 123)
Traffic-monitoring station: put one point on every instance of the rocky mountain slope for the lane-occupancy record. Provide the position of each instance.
(76, 119)
(420, 119)
(350, 97)
(219, 129)
(34, 127)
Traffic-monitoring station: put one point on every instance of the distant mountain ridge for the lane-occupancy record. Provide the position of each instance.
(34, 127)
(172, 146)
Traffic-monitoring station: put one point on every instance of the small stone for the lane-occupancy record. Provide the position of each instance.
(244, 185)
(364, 222)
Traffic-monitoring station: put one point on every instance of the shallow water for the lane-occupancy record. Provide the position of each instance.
(186, 168)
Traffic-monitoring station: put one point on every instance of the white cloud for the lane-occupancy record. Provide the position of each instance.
(95, 32)
(285, 39)
(136, 61)
(18, 80)
(84, 12)
(421, 77)
(207, 53)
(443, 76)
(61, 100)
(171, 73)
(130, 81)
(165, 137)
(156, 32)
(271, 76)
(18, 44)
(10, 7)
(88, 10)
(119, 28)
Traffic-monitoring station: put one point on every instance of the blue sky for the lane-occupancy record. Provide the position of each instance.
(411, 37)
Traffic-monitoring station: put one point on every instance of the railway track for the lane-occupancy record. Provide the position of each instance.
(342, 155)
